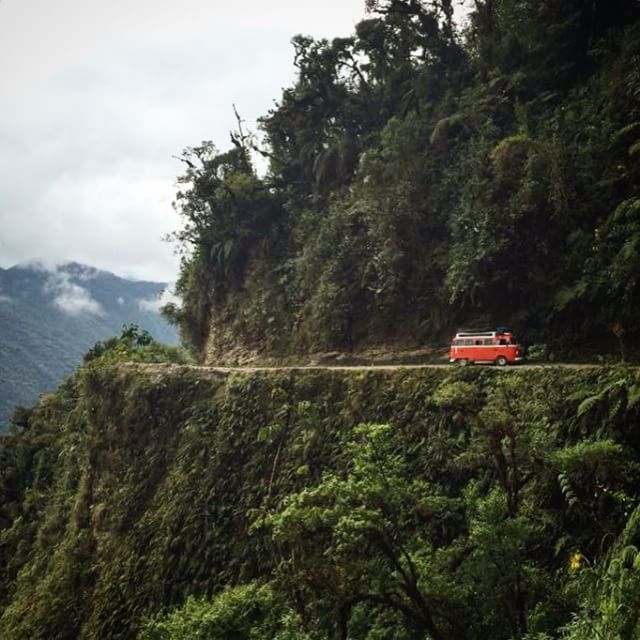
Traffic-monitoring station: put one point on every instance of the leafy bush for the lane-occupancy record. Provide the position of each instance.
(133, 345)
(245, 612)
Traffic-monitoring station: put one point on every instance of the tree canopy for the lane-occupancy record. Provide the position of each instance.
(424, 174)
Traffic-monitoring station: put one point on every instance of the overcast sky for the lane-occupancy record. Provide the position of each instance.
(96, 96)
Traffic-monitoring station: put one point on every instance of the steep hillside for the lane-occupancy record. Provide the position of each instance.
(421, 176)
(50, 318)
(425, 175)
(442, 503)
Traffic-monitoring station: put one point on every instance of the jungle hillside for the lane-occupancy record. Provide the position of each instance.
(159, 501)
(432, 171)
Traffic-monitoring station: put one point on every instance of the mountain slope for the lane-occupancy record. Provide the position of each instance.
(49, 318)
(441, 503)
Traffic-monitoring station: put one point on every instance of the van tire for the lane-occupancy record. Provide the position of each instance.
(463, 362)
(501, 361)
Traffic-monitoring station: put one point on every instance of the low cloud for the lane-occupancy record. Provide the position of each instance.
(69, 297)
(154, 304)
(86, 273)
(4, 298)
(88, 132)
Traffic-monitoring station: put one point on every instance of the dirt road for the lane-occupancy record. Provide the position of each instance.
(166, 368)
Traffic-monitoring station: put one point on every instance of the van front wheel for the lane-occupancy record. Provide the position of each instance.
(501, 361)
(463, 362)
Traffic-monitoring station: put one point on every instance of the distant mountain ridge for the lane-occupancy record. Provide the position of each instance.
(50, 317)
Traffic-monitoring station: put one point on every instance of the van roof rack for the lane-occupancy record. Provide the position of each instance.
(472, 334)
(481, 334)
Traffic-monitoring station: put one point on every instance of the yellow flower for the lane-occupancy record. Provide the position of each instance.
(575, 562)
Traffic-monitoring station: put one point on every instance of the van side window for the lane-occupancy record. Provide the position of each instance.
(488, 341)
(468, 342)
(503, 341)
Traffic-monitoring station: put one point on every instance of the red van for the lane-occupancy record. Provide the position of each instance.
(499, 346)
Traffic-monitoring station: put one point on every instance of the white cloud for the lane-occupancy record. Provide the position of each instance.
(156, 303)
(89, 128)
(120, 300)
(70, 297)
(4, 298)
(85, 273)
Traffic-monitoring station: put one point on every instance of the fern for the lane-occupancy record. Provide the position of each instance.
(567, 490)
(588, 404)
(626, 131)
(630, 557)
(633, 395)
(613, 395)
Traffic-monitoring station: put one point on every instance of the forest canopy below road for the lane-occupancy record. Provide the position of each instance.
(167, 502)
(424, 175)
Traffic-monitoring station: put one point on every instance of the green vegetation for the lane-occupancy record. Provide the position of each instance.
(168, 502)
(133, 345)
(419, 177)
(424, 176)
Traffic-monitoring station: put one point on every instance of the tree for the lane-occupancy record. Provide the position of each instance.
(363, 539)
(228, 215)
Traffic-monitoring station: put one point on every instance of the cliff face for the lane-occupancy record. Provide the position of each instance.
(136, 486)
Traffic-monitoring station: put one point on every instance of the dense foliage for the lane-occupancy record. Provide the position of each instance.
(174, 503)
(424, 175)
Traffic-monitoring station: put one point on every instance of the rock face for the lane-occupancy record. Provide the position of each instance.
(50, 318)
